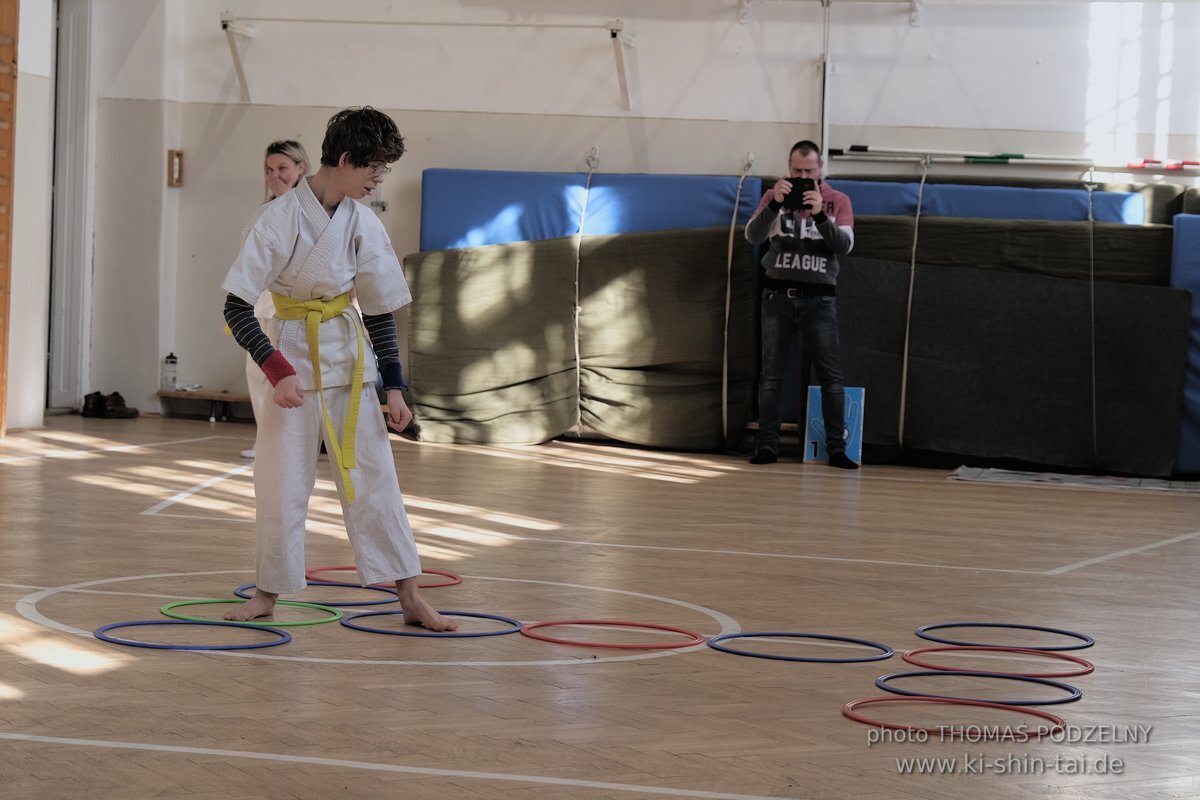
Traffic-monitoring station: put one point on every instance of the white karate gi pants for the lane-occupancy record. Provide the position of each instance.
(260, 390)
(285, 470)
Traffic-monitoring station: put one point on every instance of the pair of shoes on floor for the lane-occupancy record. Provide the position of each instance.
(248, 453)
(107, 406)
(839, 460)
(764, 456)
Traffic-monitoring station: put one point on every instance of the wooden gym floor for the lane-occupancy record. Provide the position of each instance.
(106, 520)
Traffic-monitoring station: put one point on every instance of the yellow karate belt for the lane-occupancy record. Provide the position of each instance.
(314, 312)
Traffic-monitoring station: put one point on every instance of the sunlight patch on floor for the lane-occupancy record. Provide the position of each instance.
(531, 455)
(32, 643)
(465, 533)
(459, 509)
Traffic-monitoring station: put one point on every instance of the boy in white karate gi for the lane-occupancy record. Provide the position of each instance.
(310, 248)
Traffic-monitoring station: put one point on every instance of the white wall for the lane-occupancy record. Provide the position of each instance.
(135, 261)
(1016, 66)
(1112, 81)
(1068, 78)
(30, 287)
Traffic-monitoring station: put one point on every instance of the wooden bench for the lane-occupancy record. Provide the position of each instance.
(219, 401)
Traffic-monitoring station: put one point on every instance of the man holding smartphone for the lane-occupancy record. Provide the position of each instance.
(808, 224)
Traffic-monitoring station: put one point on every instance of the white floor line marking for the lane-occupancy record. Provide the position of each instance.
(310, 524)
(155, 509)
(316, 524)
(378, 767)
(27, 605)
(114, 449)
(186, 493)
(27, 608)
(154, 596)
(727, 623)
(1121, 554)
(538, 540)
(211, 518)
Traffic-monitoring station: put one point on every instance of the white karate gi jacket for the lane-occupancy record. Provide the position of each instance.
(294, 248)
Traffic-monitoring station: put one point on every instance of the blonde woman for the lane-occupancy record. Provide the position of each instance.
(284, 165)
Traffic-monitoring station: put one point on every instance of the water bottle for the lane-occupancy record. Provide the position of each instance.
(169, 372)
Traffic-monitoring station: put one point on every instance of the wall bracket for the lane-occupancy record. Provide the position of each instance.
(233, 29)
(235, 26)
(620, 41)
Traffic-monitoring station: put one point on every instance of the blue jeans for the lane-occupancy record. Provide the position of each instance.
(816, 318)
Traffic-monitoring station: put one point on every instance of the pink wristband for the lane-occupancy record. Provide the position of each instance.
(276, 368)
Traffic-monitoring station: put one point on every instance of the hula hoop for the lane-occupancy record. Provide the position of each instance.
(334, 614)
(102, 635)
(1086, 666)
(454, 578)
(848, 710)
(887, 652)
(694, 640)
(923, 632)
(514, 625)
(243, 591)
(1073, 693)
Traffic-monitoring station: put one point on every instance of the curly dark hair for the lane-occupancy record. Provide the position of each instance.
(365, 134)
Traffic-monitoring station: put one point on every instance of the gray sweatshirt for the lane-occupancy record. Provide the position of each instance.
(804, 247)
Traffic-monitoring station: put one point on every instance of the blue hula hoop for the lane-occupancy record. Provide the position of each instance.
(514, 625)
(243, 592)
(1073, 693)
(102, 635)
(887, 652)
(924, 629)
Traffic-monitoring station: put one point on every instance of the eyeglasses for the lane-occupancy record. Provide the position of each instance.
(382, 169)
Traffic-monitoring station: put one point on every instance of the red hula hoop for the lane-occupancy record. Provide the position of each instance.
(454, 578)
(695, 639)
(1087, 667)
(950, 732)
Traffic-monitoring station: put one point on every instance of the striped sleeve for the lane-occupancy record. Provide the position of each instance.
(382, 330)
(239, 316)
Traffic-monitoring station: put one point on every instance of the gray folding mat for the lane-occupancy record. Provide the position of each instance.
(1000, 366)
(651, 333)
(1121, 253)
(492, 354)
(872, 296)
(1000, 363)
(493, 350)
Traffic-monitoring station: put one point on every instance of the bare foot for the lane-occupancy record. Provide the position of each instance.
(261, 605)
(418, 612)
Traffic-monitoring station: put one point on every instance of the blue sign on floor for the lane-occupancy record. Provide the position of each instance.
(814, 426)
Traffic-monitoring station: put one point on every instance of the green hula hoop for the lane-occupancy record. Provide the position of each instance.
(334, 614)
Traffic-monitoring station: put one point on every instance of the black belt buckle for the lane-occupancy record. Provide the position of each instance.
(793, 292)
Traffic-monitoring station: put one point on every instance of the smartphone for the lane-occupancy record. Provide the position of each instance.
(794, 200)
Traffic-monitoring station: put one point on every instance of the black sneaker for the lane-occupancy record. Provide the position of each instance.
(764, 457)
(93, 405)
(115, 408)
(841, 461)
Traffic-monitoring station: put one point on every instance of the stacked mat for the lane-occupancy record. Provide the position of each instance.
(498, 353)
(555, 302)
